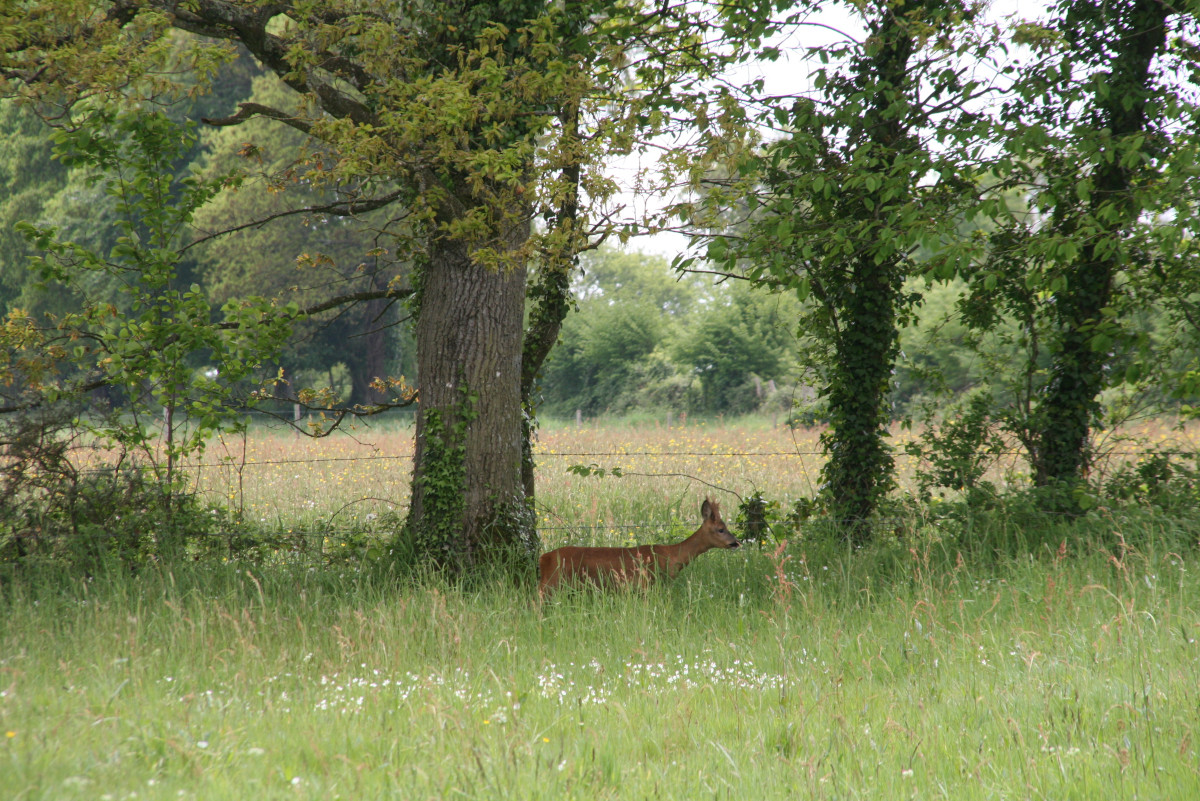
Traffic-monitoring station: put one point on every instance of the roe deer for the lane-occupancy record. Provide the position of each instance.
(633, 566)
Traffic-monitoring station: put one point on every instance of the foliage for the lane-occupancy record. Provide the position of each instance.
(437, 537)
(1161, 480)
(29, 179)
(760, 519)
(593, 469)
(735, 347)
(619, 275)
(754, 514)
(641, 340)
(271, 236)
(939, 355)
(56, 504)
(256, 240)
(837, 205)
(167, 352)
(1101, 136)
(956, 453)
(601, 351)
(315, 546)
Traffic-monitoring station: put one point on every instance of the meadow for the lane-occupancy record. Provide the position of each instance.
(933, 666)
(277, 480)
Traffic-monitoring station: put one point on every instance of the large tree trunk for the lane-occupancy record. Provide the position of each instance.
(468, 504)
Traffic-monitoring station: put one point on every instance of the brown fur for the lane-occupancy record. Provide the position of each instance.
(636, 566)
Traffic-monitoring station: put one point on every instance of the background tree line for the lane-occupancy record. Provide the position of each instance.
(301, 257)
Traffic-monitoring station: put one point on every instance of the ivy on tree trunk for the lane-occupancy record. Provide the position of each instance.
(1123, 40)
(467, 493)
(836, 207)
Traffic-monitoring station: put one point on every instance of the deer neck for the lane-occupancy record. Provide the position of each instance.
(682, 553)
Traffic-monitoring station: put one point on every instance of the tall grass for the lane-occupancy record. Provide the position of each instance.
(990, 655)
(915, 669)
(278, 481)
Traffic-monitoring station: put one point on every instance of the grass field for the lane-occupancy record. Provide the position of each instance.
(926, 668)
(278, 479)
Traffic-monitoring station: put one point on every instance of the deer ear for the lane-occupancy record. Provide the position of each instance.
(706, 509)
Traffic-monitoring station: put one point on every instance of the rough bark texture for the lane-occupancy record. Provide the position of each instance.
(469, 333)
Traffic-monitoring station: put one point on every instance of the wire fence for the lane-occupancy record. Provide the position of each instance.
(237, 464)
(363, 496)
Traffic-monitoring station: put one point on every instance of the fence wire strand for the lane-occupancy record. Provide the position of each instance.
(237, 465)
(320, 539)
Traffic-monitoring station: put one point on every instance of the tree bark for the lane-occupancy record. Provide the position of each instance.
(468, 504)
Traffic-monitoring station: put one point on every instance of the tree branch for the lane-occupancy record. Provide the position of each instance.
(341, 208)
(333, 303)
(247, 111)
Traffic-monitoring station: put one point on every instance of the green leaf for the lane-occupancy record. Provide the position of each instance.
(717, 250)
(783, 231)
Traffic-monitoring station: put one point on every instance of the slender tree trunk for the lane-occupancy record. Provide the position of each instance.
(468, 504)
(860, 468)
(550, 300)
(371, 363)
(1069, 404)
